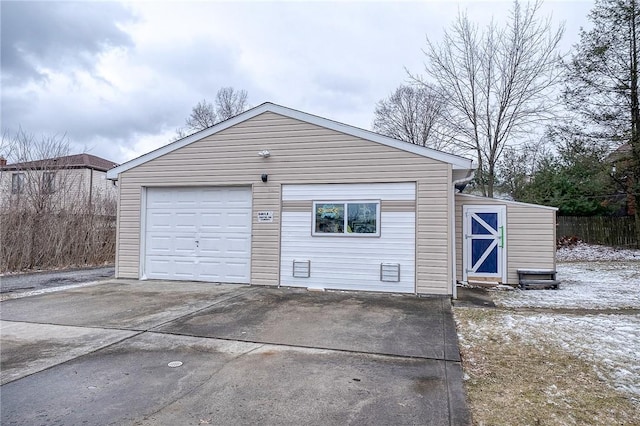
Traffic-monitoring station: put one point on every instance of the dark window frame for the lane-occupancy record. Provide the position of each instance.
(343, 229)
(17, 183)
(49, 182)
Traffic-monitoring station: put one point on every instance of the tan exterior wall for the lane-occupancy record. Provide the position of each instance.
(531, 235)
(300, 153)
(71, 186)
(102, 188)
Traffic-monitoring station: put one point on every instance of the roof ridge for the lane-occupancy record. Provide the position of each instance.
(457, 161)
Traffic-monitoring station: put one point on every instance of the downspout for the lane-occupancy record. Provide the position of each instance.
(117, 262)
(466, 179)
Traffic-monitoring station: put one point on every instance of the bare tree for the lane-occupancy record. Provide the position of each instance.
(497, 82)
(44, 184)
(228, 103)
(7, 145)
(46, 219)
(413, 114)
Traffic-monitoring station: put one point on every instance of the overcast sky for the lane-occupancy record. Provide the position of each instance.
(119, 78)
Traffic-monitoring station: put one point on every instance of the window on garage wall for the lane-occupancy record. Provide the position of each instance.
(346, 218)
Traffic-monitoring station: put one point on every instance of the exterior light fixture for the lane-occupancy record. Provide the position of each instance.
(264, 177)
(264, 154)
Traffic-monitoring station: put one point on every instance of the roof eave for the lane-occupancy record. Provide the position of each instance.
(457, 162)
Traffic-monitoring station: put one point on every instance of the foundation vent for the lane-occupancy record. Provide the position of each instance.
(390, 272)
(301, 268)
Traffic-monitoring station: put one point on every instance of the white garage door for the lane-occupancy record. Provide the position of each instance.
(199, 234)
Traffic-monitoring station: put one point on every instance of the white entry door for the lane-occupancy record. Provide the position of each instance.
(485, 248)
(198, 234)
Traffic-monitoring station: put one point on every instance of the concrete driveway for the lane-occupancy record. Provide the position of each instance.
(250, 355)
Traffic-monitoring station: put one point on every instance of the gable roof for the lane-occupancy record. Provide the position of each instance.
(76, 161)
(456, 161)
(481, 198)
(622, 153)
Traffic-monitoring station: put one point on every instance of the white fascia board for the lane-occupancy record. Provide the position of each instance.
(515, 203)
(113, 173)
(456, 161)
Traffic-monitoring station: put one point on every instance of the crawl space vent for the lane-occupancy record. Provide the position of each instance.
(390, 272)
(301, 268)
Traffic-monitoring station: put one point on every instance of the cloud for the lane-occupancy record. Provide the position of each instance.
(118, 79)
(57, 35)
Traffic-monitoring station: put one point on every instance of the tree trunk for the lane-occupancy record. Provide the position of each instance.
(637, 223)
(635, 118)
(491, 177)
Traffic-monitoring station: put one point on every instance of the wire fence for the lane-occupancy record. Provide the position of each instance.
(610, 231)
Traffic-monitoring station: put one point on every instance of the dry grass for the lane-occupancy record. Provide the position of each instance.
(516, 382)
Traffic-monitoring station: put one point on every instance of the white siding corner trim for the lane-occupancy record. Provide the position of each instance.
(348, 263)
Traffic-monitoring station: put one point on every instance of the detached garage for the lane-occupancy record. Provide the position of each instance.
(275, 196)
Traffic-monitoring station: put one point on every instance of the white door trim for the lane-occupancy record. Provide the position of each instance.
(499, 239)
(143, 233)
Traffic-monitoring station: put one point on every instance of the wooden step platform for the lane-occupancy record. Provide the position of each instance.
(538, 279)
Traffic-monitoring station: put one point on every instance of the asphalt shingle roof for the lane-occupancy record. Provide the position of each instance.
(76, 161)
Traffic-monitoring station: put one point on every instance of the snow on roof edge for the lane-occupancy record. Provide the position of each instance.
(498, 200)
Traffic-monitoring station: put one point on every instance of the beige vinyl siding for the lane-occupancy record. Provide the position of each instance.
(300, 153)
(531, 235)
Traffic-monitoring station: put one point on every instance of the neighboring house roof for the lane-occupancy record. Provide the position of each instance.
(77, 161)
(456, 161)
(622, 153)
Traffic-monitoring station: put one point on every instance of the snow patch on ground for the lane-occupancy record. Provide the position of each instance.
(589, 252)
(592, 277)
(584, 285)
(610, 342)
(19, 295)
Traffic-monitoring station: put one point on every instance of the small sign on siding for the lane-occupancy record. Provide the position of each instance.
(265, 216)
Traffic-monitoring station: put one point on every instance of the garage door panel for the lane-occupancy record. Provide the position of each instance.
(237, 245)
(159, 267)
(185, 197)
(184, 245)
(221, 268)
(160, 245)
(157, 220)
(198, 234)
(235, 198)
(210, 222)
(211, 246)
(236, 270)
(167, 244)
(213, 204)
(183, 268)
(159, 200)
(237, 220)
(225, 246)
(185, 221)
(212, 270)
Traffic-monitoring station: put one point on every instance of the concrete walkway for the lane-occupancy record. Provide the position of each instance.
(249, 355)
